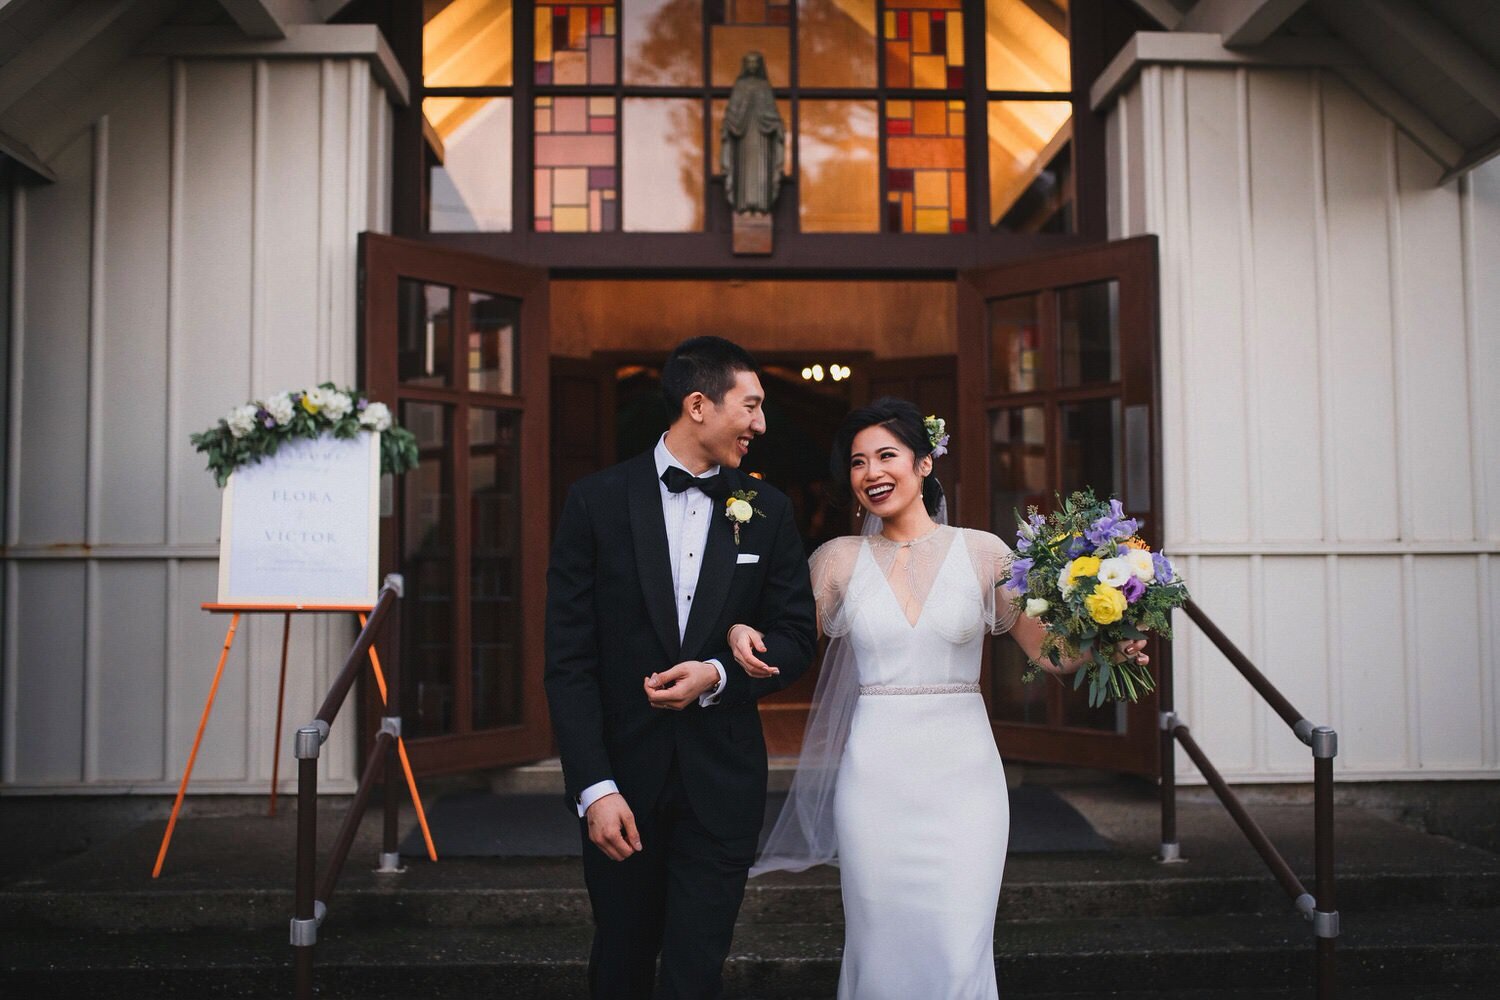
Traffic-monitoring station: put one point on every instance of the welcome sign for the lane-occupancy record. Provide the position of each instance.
(302, 526)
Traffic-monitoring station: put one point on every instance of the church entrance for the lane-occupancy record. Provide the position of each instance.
(519, 384)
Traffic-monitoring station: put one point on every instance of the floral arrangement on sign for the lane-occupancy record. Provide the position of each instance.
(256, 430)
(1085, 574)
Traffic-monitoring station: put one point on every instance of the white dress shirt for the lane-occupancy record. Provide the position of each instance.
(687, 516)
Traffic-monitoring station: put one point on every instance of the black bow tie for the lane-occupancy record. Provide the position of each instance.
(679, 479)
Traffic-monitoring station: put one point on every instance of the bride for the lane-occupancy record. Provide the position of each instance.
(899, 782)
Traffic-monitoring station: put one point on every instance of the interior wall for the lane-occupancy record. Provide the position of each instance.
(891, 319)
(1331, 447)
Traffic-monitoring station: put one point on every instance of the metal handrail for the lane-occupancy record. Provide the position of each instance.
(1320, 909)
(310, 899)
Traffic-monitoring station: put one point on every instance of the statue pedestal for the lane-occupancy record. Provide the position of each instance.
(752, 233)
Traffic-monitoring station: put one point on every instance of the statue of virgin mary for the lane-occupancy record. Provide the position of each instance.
(753, 140)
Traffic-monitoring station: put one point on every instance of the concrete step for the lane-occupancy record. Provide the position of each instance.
(1153, 956)
(550, 892)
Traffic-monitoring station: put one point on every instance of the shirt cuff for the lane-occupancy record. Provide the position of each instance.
(711, 696)
(594, 793)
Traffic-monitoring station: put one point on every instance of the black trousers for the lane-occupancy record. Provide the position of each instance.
(678, 897)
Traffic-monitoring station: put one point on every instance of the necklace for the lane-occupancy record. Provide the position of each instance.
(909, 542)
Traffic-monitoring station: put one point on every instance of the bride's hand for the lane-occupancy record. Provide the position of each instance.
(1132, 650)
(745, 642)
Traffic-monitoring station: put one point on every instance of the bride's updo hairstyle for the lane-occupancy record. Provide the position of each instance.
(903, 420)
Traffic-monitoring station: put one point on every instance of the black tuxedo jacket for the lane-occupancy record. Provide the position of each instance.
(612, 621)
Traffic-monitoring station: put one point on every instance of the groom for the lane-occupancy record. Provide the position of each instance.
(660, 737)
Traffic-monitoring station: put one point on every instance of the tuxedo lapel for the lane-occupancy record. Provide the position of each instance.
(648, 529)
(714, 577)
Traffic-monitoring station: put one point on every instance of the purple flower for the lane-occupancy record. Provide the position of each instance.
(1018, 570)
(362, 403)
(1112, 526)
(1077, 547)
(1162, 568)
(1028, 532)
(1133, 589)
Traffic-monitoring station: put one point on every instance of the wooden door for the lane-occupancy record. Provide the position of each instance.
(457, 343)
(583, 424)
(1058, 390)
(932, 384)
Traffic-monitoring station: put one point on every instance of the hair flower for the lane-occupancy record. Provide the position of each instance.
(937, 434)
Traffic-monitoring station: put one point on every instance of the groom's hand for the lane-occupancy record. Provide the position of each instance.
(680, 686)
(612, 827)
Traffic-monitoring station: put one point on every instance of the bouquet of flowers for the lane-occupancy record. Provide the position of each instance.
(251, 432)
(1084, 574)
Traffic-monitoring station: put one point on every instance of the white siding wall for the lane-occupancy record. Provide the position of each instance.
(1330, 326)
(198, 249)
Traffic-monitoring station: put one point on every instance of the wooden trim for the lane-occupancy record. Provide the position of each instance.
(706, 253)
(1151, 48)
(302, 41)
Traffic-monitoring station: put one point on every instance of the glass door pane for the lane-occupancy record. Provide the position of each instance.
(494, 567)
(426, 547)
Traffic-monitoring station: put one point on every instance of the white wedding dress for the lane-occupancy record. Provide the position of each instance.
(917, 798)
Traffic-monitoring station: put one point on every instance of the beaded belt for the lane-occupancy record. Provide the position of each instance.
(919, 689)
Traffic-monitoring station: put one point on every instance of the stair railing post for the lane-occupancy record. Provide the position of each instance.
(304, 930)
(390, 852)
(1171, 850)
(1326, 916)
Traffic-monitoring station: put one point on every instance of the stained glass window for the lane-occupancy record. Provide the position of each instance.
(467, 43)
(576, 183)
(924, 44)
(924, 178)
(470, 188)
(1026, 46)
(836, 43)
(1030, 173)
(741, 26)
(575, 43)
(663, 165)
(663, 41)
(839, 150)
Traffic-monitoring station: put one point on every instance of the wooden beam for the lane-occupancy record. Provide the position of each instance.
(1240, 23)
(302, 41)
(70, 35)
(1447, 53)
(24, 155)
(255, 18)
(1163, 12)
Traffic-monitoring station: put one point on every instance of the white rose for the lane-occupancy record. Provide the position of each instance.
(740, 510)
(338, 405)
(241, 420)
(377, 416)
(1140, 564)
(279, 407)
(316, 397)
(1036, 607)
(1114, 571)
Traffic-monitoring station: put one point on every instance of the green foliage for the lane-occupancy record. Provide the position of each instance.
(226, 452)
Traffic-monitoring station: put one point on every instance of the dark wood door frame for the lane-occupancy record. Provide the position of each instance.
(1132, 263)
(384, 260)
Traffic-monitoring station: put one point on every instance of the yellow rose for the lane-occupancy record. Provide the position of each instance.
(1105, 605)
(309, 405)
(739, 510)
(1084, 566)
